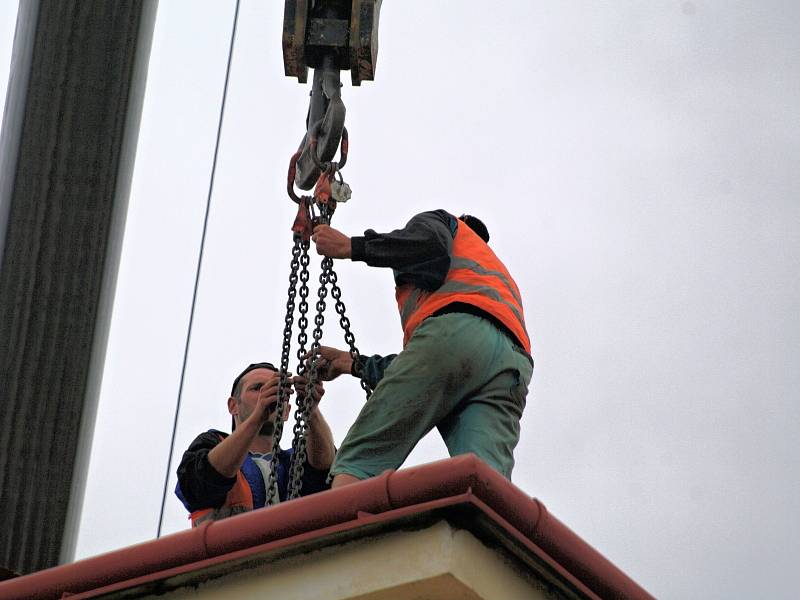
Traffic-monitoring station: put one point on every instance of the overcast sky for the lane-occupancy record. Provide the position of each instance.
(637, 165)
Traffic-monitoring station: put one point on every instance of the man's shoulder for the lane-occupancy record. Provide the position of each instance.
(439, 214)
(207, 439)
(436, 218)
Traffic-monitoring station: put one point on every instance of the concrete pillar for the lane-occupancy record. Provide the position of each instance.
(66, 159)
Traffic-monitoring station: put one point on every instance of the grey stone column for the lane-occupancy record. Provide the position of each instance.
(66, 159)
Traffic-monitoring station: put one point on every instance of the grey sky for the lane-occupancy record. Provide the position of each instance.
(637, 165)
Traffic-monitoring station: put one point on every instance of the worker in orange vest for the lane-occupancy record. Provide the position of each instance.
(466, 360)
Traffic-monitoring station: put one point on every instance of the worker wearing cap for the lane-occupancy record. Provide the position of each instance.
(465, 365)
(221, 475)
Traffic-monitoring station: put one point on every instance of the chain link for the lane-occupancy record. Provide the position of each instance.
(271, 485)
(302, 323)
(349, 338)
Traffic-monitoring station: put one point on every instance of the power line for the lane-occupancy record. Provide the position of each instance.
(199, 267)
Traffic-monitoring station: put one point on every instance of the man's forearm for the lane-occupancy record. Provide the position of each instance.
(227, 456)
(319, 443)
(423, 243)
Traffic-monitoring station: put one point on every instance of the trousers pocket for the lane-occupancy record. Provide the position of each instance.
(519, 391)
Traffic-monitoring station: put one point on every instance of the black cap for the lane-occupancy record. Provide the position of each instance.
(253, 367)
(477, 226)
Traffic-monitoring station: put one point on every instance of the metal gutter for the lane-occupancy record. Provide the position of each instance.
(380, 500)
(366, 525)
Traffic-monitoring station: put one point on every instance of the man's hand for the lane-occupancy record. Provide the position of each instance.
(300, 382)
(257, 419)
(332, 362)
(268, 399)
(331, 242)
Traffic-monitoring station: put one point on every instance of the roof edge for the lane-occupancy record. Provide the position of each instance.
(387, 492)
(366, 525)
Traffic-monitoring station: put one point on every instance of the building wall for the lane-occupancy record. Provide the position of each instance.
(440, 562)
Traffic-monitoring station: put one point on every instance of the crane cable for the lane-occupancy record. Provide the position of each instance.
(199, 266)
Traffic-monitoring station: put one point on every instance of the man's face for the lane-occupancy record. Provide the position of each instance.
(251, 384)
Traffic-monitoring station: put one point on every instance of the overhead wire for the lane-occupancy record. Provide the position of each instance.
(199, 267)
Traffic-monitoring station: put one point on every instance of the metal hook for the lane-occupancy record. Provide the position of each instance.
(312, 143)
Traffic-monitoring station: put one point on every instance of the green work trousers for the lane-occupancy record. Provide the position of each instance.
(458, 373)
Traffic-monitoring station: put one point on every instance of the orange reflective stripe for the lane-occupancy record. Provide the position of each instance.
(460, 262)
(468, 282)
(409, 303)
(468, 292)
(465, 280)
(499, 310)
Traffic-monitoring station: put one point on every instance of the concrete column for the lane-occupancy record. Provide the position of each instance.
(68, 145)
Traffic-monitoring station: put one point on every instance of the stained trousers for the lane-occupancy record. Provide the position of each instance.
(458, 373)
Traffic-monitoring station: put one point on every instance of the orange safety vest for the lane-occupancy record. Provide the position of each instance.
(238, 500)
(476, 277)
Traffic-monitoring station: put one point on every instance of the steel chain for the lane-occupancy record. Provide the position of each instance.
(271, 485)
(307, 361)
(302, 323)
(301, 413)
(349, 338)
(303, 403)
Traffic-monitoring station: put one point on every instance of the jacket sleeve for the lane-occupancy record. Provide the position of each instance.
(199, 484)
(373, 367)
(314, 480)
(419, 253)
